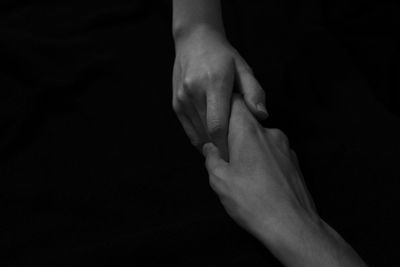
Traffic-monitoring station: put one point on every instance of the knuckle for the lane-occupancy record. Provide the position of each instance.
(190, 82)
(200, 80)
(212, 76)
(192, 85)
(181, 97)
(176, 106)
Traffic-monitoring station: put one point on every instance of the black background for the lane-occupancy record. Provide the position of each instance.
(96, 169)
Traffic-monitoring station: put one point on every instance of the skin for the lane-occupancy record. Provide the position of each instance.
(251, 168)
(263, 190)
(205, 70)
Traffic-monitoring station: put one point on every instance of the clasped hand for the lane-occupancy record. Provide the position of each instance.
(261, 186)
(206, 68)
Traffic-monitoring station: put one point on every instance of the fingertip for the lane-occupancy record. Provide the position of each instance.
(262, 111)
(254, 109)
(260, 107)
(257, 109)
(207, 147)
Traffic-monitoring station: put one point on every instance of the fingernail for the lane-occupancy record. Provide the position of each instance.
(262, 108)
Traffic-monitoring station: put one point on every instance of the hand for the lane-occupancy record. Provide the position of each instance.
(205, 69)
(263, 190)
(261, 187)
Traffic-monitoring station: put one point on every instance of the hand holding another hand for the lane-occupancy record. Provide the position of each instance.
(205, 70)
(263, 190)
(262, 183)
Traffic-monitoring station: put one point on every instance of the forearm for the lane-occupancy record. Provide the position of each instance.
(308, 242)
(190, 14)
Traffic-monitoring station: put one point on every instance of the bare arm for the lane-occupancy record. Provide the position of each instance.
(190, 14)
(263, 190)
(309, 242)
(206, 68)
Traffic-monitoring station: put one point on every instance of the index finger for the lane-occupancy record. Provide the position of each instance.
(218, 111)
(243, 128)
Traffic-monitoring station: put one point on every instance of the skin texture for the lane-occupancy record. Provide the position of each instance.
(261, 181)
(205, 70)
(252, 169)
(263, 190)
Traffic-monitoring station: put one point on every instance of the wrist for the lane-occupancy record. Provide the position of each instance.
(285, 229)
(202, 31)
(306, 240)
(188, 15)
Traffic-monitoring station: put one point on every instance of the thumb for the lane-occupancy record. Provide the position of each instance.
(252, 92)
(213, 157)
